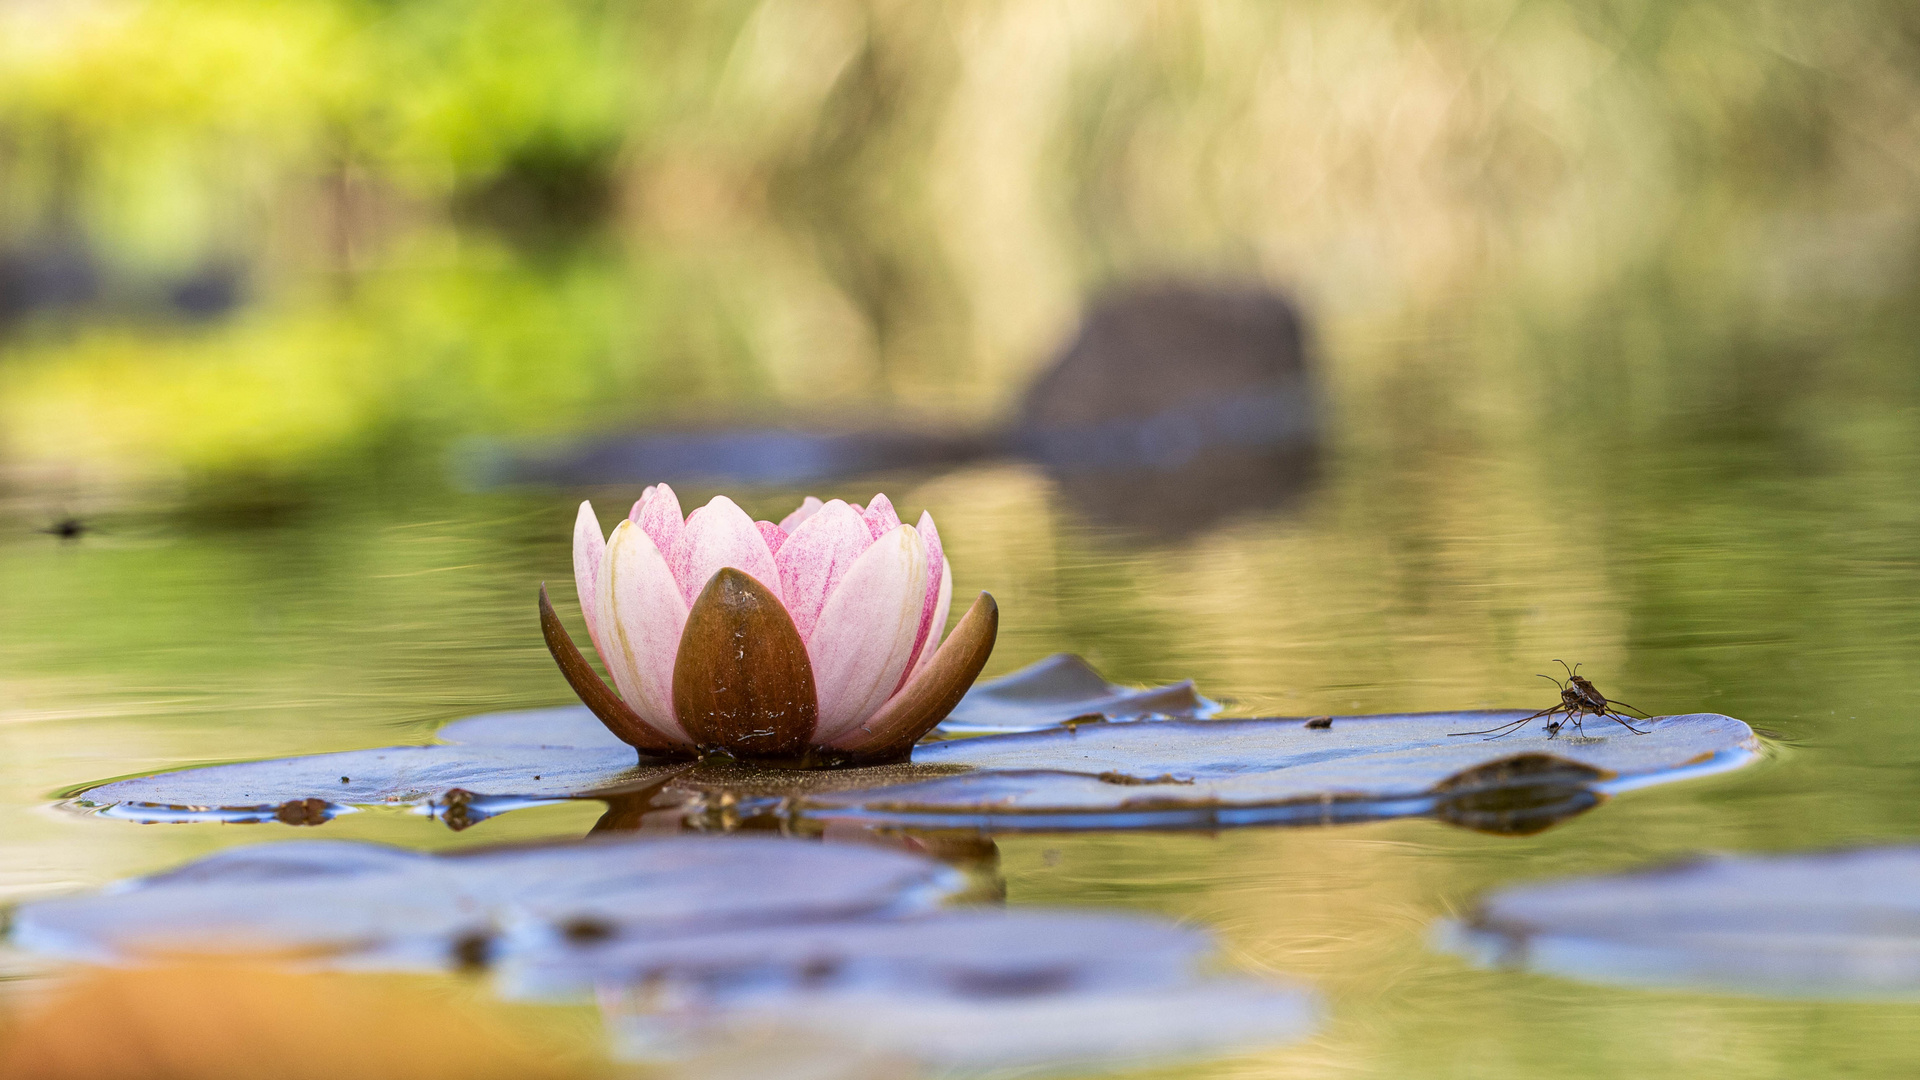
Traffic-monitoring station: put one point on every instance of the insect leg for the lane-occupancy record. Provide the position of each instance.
(1612, 704)
(1511, 725)
(1618, 719)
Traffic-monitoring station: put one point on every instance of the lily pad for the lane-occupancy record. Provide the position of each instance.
(1163, 773)
(1842, 924)
(312, 789)
(1061, 688)
(1240, 772)
(361, 905)
(1118, 1027)
(684, 940)
(967, 953)
(963, 988)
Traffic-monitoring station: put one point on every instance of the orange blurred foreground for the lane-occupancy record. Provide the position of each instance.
(228, 1022)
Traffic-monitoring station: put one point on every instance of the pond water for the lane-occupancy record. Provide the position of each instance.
(1442, 556)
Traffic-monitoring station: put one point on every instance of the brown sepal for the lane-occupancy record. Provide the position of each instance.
(628, 726)
(742, 682)
(889, 735)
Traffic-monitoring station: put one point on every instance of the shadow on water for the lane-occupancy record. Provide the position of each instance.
(1175, 405)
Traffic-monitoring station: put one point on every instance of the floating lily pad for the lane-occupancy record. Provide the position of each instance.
(979, 988)
(1064, 687)
(1828, 925)
(687, 939)
(1207, 1018)
(966, 953)
(311, 789)
(1164, 773)
(1238, 772)
(363, 905)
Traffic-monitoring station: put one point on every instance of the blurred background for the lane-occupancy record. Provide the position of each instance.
(1514, 330)
(268, 240)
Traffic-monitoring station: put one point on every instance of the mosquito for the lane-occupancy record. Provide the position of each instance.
(1579, 699)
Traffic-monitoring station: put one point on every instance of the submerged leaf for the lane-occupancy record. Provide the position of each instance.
(1064, 687)
(1842, 924)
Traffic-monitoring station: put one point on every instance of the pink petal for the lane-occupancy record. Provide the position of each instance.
(808, 507)
(645, 494)
(643, 612)
(815, 559)
(865, 635)
(880, 516)
(658, 514)
(772, 534)
(716, 535)
(936, 565)
(589, 551)
(937, 629)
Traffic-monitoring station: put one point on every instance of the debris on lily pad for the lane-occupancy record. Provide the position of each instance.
(358, 905)
(1827, 925)
(1218, 773)
(1064, 688)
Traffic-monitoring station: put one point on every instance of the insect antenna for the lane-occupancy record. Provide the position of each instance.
(1554, 681)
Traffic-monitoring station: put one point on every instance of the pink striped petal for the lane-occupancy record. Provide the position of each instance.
(937, 630)
(808, 507)
(936, 564)
(658, 514)
(880, 516)
(589, 551)
(772, 534)
(815, 559)
(866, 632)
(644, 613)
(716, 535)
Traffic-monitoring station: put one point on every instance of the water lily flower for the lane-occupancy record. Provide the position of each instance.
(816, 640)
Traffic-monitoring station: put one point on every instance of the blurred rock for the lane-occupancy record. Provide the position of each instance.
(1177, 404)
(51, 275)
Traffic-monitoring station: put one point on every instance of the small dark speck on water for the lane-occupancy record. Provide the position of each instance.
(346, 780)
(71, 528)
(1320, 723)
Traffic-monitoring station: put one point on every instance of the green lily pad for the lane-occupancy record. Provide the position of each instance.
(1842, 924)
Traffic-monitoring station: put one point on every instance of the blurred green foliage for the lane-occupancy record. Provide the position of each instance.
(508, 216)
